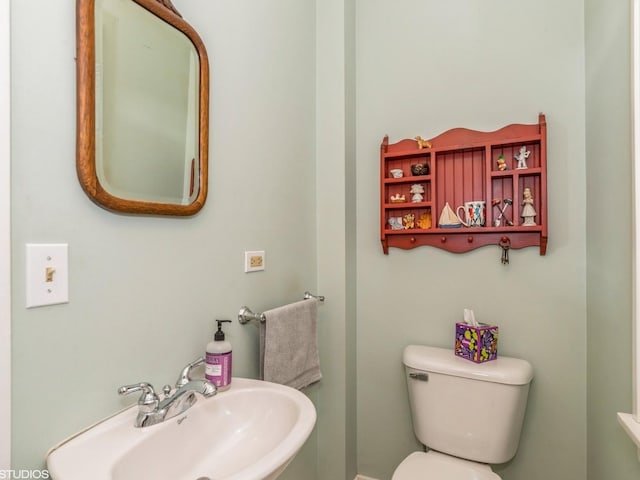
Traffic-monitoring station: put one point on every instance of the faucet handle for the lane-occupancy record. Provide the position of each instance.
(167, 390)
(184, 377)
(148, 397)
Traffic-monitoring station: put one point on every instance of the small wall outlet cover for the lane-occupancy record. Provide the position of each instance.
(254, 261)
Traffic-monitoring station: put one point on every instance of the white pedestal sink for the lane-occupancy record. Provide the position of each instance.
(250, 432)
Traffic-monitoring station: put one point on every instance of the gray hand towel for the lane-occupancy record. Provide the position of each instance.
(289, 345)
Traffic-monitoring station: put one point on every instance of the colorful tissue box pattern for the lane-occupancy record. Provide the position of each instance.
(478, 344)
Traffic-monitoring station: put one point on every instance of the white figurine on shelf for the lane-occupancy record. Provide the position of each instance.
(528, 212)
(522, 158)
(395, 223)
(417, 190)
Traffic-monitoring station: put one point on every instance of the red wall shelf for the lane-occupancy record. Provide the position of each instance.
(463, 167)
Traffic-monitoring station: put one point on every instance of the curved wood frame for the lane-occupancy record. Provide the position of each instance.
(86, 122)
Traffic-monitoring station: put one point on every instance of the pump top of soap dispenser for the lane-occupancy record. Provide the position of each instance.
(219, 335)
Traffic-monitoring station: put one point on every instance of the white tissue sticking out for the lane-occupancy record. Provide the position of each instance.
(470, 318)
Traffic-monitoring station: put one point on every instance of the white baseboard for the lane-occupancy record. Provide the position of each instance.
(362, 477)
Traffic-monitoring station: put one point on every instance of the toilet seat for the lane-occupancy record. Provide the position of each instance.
(437, 466)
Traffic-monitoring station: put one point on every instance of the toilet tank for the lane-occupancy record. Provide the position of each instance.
(473, 411)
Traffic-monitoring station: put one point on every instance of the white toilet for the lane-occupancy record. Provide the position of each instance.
(468, 415)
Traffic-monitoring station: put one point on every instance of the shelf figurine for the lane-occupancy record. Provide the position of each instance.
(496, 202)
(395, 223)
(502, 164)
(522, 158)
(424, 221)
(417, 190)
(409, 221)
(420, 169)
(528, 212)
(422, 143)
(448, 218)
(397, 198)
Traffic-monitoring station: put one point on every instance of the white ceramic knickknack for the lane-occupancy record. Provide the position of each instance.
(522, 158)
(528, 211)
(417, 191)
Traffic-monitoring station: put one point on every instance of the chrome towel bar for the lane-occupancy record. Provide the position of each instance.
(246, 315)
(308, 295)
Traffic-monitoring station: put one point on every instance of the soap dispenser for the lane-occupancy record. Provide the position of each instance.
(218, 360)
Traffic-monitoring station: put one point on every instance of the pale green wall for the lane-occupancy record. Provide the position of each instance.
(418, 67)
(144, 291)
(424, 66)
(611, 454)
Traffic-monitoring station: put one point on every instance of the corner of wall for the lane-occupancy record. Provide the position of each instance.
(5, 239)
(335, 204)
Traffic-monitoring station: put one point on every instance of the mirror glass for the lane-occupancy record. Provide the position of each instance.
(142, 107)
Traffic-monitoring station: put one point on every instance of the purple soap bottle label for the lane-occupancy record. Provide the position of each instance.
(218, 368)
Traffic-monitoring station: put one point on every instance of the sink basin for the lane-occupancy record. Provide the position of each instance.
(250, 432)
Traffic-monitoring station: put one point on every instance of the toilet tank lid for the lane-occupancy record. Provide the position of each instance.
(511, 371)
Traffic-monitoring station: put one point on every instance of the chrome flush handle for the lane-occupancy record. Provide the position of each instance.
(423, 377)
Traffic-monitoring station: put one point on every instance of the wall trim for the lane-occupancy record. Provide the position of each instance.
(5, 236)
(635, 49)
(631, 422)
(362, 477)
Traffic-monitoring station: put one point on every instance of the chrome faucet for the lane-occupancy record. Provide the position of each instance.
(152, 410)
(185, 377)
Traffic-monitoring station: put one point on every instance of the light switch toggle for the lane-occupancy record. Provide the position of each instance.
(48, 274)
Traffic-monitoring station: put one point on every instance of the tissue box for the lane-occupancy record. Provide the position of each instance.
(478, 344)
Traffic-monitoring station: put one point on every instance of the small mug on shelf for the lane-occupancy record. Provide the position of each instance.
(474, 213)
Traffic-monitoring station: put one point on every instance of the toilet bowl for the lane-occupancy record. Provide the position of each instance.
(448, 397)
(437, 466)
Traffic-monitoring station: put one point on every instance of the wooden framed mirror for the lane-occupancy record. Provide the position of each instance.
(142, 107)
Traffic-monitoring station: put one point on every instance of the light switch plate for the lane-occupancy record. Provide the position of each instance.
(254, 261)
(47, 274)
